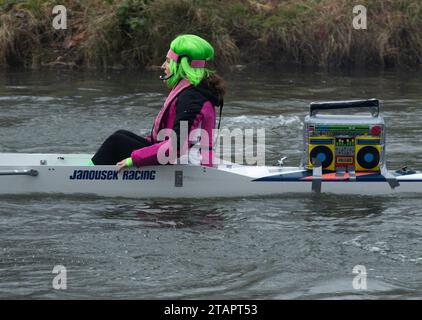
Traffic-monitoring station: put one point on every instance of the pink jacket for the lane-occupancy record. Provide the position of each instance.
(196, 106)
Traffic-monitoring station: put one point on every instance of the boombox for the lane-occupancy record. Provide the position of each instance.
(344, 142)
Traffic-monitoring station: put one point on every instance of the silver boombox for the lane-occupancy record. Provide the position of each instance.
(344, 142)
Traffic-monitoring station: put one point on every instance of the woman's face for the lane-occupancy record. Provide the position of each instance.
(165, 67)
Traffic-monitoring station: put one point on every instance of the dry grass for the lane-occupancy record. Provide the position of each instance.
(20, 38)
(137, 32)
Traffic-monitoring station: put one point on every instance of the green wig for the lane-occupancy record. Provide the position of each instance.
(188, 54)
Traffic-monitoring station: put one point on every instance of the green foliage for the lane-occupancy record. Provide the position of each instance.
(130, 14)
(6, 5)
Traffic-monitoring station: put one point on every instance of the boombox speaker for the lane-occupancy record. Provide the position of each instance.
(368, 153)
(322, 148)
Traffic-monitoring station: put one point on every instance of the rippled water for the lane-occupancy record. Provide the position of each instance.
(291, 247)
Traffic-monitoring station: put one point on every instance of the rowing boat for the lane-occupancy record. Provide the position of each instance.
(342, 155)
(22, 174)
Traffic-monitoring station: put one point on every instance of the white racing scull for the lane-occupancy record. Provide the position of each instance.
(65, 174)
(342, 155)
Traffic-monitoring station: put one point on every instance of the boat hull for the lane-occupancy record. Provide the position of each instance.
(64, 174)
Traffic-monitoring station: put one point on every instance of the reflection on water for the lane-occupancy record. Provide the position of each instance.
(159, 215)
(287, 247)
(332, 206)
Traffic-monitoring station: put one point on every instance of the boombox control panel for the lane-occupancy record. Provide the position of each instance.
(344, 151)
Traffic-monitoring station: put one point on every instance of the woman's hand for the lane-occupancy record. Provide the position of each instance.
(125, 163)
(121, 165)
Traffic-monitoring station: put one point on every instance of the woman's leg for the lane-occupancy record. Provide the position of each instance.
(130, 134)
(118, 146)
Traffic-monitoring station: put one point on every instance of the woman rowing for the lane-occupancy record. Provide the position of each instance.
(195, 92)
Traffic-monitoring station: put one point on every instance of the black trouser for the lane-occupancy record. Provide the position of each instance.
(118, 147)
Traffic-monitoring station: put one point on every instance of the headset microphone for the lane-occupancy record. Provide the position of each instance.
(164, 78)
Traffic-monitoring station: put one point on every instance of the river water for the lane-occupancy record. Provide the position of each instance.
(287, 247)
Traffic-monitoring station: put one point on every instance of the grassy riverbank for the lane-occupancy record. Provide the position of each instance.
(136, 33)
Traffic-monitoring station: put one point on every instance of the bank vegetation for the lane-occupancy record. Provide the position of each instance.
(136, 33)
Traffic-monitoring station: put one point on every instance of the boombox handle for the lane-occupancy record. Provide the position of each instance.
(372, 104)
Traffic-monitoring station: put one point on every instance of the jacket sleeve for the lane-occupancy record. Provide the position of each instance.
(187, 109)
